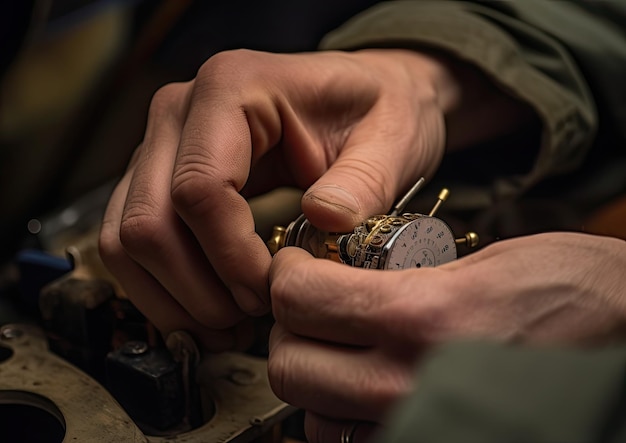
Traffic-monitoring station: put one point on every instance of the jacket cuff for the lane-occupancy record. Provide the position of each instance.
(484, 38)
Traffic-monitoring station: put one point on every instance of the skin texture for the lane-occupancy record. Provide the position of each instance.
(347, 339)
(178, 233)
(179, 236)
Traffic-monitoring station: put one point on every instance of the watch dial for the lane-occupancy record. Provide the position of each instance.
(424, 242)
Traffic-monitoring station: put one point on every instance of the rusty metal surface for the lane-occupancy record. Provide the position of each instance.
(245, 407)
(86, 407)
(57, 363)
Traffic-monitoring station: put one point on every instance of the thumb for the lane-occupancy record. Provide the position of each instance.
(345, 196)
(379, 160)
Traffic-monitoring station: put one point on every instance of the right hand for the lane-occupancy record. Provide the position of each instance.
(356, 129)
(346, 340)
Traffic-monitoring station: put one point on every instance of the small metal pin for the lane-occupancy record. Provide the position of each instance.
(11, 333)
(443, 196)
(134, 348)
(407, 197)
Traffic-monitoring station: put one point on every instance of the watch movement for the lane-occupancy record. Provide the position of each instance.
(398, 240)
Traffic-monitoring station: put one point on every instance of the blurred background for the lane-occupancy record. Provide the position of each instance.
(77, 77)
(76, 80)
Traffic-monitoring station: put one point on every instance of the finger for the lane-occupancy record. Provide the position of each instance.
(315, 298)
(143, 290)
(153, 234)
(342, 382)
(385, 153)
(212, 167)
(321, 429)
(538, 289)
(325, 300)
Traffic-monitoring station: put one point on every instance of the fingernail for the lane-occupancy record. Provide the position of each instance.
(333, 195)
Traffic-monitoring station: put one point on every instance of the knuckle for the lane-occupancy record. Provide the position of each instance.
(193, 185)
(141, 232)
(109, 246)
(226, 68)
(165, 100)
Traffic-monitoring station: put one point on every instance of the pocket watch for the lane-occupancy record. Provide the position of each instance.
(398, 240)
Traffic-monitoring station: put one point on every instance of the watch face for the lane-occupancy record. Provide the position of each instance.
(424, 242)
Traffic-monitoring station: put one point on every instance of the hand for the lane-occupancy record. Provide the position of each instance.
(356, 129)
(347, 340)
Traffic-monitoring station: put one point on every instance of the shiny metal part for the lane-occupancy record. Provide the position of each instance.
(443, 196)
(391, 241)
(399, 207)
(225, 397)
(470, 240)
(134, 348)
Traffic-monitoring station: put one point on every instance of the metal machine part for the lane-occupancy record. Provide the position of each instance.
(389, 241)
(92, 368)
(71, 406)
(402, 242)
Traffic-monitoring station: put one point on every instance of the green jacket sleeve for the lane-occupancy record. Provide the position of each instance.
(557, 56)
(492, 393)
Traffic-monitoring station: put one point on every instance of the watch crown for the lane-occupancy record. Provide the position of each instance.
(277, 240)
(470, 240)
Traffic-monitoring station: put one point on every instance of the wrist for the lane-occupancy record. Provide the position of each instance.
(475, 108)
(426, 74)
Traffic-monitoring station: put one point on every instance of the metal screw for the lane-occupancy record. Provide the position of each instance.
(10, 333)
(134, 348)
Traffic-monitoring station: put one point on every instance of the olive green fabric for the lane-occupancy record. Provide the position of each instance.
(492, 393)
(567, 60)
(562, 58)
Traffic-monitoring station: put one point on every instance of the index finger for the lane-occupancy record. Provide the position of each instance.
(321, 299)
(212, 165)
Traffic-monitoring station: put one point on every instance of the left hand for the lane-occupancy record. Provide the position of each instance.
(346, 340)
(178, 233)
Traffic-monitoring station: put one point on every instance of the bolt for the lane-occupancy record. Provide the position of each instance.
(10, 333)
(134, 348)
